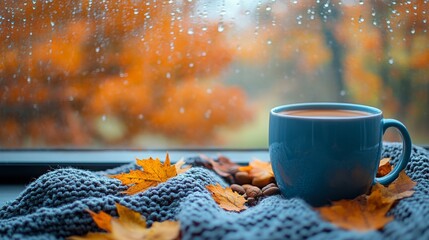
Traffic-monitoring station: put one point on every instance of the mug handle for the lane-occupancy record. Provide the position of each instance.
(406, 151)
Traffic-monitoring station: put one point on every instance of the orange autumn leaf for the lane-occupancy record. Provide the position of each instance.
(400, 188)
(368, 212)
(102, 219)
(259, 170)
(384, 167)
(131, 225)
(361, 214)
(154, 172)
(226, 198)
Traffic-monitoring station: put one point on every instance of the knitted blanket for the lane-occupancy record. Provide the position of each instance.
(54, 207)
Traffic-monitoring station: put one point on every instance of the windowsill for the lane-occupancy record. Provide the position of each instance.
(19, 167)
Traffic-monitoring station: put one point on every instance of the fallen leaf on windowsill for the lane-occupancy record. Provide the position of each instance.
(130, 225)
(368, 212)
(226, 198)
(153, 173)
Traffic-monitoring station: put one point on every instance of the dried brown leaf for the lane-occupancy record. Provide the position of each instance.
(368, 212)
(384, 167)
(398, 189)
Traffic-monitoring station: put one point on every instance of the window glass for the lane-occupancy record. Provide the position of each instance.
(194, 73)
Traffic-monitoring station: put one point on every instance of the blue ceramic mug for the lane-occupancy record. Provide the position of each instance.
(322, 152)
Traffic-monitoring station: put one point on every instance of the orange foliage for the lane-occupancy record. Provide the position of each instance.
(129, 60)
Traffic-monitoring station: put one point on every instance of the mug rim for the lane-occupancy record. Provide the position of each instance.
(373, 112)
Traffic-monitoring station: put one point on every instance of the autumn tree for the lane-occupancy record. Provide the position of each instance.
(369, 52)
(85, 73)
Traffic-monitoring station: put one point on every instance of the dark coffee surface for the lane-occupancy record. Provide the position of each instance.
(325, 113)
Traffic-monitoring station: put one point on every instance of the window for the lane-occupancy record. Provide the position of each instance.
(201, 73)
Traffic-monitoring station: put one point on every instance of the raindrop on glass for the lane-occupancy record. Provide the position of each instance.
(190, 31)
(269, 42)
(168, 75)
(141, 116)
(220, 27)
(182, 110)
(391, 61)
(342, 92)
(413, 31)
(247, 12)
(103, 118)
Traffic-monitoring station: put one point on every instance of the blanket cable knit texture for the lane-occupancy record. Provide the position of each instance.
(54, 207)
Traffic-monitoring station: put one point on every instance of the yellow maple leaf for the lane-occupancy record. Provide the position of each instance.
(226, 198)
(368, 212)
(130, 225)
(153, 173)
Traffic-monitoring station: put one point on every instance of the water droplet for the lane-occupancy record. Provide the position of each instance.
(182, 110)
(220, 27)
(361, 2)
(268, 8)
(29, 79)
(361, 19)
(269, 42)
(103, 118)
(52, 24)
(191, 65)
(247, 12)
(97, 49)
(391, 61)
(204, 28)
(136, 11)
(342, 92)
(413, 31)
(141, 116)
(168, 75)
(190, 31)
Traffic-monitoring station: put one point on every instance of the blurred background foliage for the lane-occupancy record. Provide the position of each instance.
(185, 74)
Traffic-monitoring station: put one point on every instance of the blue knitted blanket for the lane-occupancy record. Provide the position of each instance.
(54, 207)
